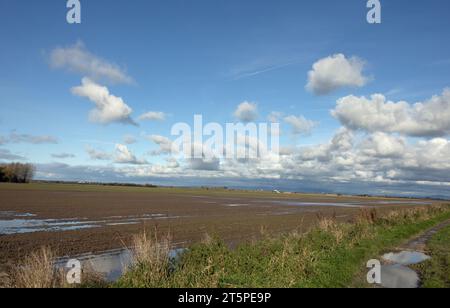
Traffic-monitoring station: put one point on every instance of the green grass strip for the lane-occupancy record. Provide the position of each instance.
(435, 273)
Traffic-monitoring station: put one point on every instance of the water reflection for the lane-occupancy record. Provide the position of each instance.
(111, 265)
(15, 223)
(406, 257)
(397, 274)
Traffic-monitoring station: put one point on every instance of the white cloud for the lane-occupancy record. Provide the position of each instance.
(97, 155)
(63, 155)
(108, 108)
(27, 138)
(300, 125)
(172, 163)
(246, 112)
(434, 154)
(78, 59)
(153, 116)
(427, 119)
(165, 144)
(384, 145)
(124, 156)
(335, 72)
(205, 164)
(121, 155)
(343, 140)
(379, 162)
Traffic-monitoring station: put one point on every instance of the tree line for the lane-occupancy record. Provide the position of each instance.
(17, 172)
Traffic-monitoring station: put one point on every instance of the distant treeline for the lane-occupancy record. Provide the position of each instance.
(96, 183)
(17, 173)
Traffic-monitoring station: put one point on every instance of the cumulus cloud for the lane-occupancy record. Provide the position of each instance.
(153, 116)
(108, 108)
(210, 164)
(124, 156)
(378, 162)
(27, 138)
(384, 145)
(374, 158)
(342, 142)
(246, 112)
(164, 143)
(300, 125)
(335, 72)
(172, 163)
(97, 154)
(63, 155)
(376, 114)
(78, 59)
(431, 154)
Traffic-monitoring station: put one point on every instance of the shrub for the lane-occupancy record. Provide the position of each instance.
(17, 173)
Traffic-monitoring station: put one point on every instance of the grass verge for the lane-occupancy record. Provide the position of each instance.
(330, 255)
(435, 273)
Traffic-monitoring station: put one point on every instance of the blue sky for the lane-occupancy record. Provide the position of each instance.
(207, 57)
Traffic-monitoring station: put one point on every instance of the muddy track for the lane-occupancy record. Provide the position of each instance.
(419, 243)
(398, 266)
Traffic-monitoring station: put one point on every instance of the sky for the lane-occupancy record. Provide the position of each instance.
(363, 108)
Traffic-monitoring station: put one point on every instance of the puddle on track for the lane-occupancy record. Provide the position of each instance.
(406, 257)
(397, 274)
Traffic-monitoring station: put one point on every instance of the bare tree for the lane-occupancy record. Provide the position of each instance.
(17, 173)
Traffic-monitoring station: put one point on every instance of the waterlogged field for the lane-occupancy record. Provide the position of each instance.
(81, 220)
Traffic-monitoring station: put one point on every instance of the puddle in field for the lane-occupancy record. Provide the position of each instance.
(402, 202)
(397, 274)
(21, 226)
(332, 204)
(14, 223)
(12, 214)
(111, 265)
(352, 204)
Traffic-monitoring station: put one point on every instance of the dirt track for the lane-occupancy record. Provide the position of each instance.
(188, 215)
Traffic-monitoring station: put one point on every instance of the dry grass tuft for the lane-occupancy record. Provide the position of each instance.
(330, 225)
(5, 280)
(38, 271)
(367, 216)
(207, 239)
(151, 254)
(149, 249)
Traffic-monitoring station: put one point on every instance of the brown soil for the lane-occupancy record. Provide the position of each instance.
(203, 212)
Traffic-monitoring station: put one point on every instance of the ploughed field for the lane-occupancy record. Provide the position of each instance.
(77, 219)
